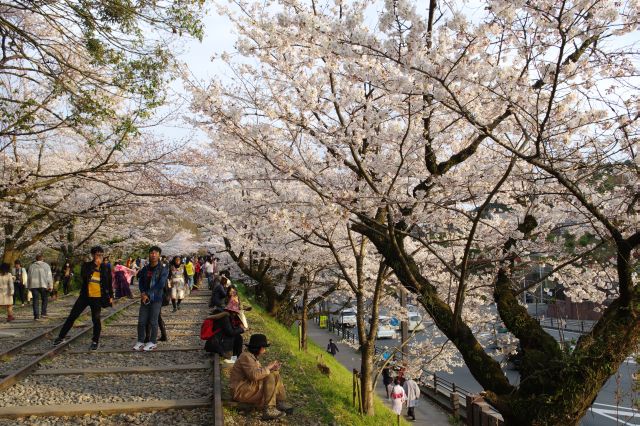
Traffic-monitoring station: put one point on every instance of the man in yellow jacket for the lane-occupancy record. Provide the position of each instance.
(252, 383)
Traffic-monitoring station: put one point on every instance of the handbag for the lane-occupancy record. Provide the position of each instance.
(166, 296)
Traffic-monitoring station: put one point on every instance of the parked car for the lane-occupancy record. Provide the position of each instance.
(416, 322)
(385, 329)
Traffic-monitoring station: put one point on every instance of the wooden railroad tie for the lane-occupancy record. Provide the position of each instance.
(121, 370)
(103, 408)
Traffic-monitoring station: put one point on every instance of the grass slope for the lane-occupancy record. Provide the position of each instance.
(318, 399)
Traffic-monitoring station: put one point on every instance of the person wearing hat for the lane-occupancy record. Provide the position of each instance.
(227, 340)
(96, 292)
(251, 383)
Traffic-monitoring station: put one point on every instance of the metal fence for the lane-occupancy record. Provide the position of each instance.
(576, 326)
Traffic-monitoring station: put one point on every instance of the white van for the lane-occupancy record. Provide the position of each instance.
(385, 329)
(347, 317)
(416, 322)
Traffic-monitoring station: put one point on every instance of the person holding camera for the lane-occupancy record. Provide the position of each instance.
(96, 292)
(152, 280)
(252, 383)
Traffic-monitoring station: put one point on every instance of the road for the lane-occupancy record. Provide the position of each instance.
(613, 405)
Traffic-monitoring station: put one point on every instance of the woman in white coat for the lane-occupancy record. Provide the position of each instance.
(6, 290)
(412, 390)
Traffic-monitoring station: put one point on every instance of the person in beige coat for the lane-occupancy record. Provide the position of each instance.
(252, 383)
(6, 290)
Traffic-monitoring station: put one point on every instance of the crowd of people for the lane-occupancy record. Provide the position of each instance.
(161, 282)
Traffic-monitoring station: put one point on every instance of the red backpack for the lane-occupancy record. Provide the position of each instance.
(208, 329)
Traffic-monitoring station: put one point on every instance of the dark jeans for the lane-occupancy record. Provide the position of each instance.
(237, 344)
(80, 305)
(411, 412)
(39, 293)
(21, 292)
(149, 314)
(161, 326)
(65, 285)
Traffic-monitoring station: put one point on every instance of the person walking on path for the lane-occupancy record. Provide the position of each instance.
(121, 276)
(254, 384)
(6, 290)
(151, 280)
(332, 348)
(398, 397)
(40, 282)
(386, 379)
(19, 283)
(66, 276)
(96, 292)
(177, 282)
(412, 390)
(190, 270)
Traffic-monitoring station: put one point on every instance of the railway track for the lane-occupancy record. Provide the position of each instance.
(69, 384)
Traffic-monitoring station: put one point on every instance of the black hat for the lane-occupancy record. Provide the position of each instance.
(258, 341)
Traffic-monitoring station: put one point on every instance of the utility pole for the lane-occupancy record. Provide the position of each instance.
(404, 326)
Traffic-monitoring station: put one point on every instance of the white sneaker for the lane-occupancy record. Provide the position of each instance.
(138, 346)
(149, 347)
(234, 358)
(230, 361)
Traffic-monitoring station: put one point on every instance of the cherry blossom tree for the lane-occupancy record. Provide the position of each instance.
(468, 146)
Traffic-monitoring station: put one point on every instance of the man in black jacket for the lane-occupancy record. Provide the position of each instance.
(96, 292)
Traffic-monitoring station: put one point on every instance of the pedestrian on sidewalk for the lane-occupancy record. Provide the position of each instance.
(254, 384)
(6, 290)
(332, 348)
(40, 282)
(19, 284)
(151, 280)
(412, 391)
(398, 397)
(387, 380)
(96, 292)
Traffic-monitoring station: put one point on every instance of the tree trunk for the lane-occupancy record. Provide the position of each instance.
(366, 377)
(303, 319)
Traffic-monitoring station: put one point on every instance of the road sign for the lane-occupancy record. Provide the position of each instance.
(323, 321)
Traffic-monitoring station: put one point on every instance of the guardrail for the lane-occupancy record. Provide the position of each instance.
(576, 326)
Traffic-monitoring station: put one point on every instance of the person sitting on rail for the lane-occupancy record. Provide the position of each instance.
(96, 291)
(223, 332)
(254, 384)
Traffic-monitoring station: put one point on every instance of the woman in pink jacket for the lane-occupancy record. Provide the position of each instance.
(121, 278)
